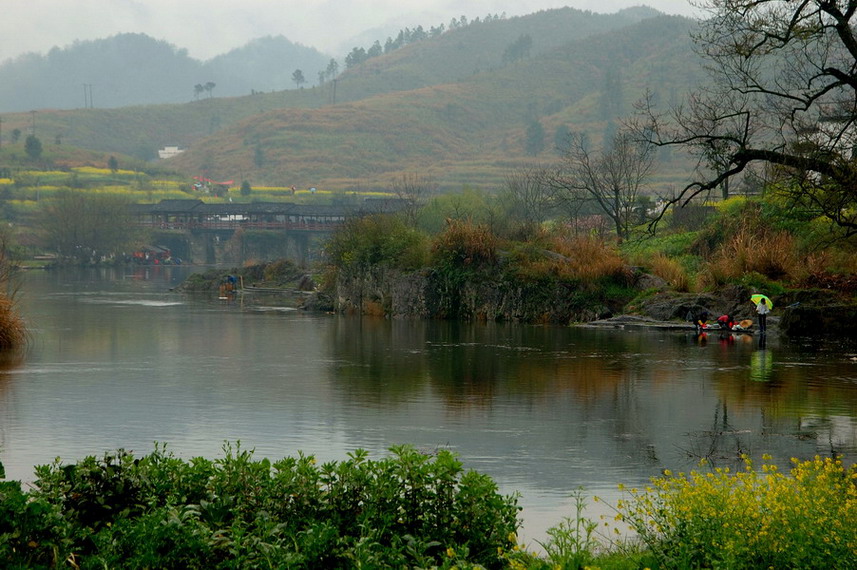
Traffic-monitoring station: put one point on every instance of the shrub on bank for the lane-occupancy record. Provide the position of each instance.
(157, 511)
(377, 240)
(409, 510)
(750, 519)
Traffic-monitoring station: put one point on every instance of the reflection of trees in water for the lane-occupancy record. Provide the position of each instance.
(799, 401)
(784, 437)
(379, 360)
(721, 444)
(470, 364)
(833, 436)
(594, 388)
(5, 382)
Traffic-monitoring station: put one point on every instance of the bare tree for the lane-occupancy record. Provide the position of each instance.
(611, 177)
(783, 93)
(526, 195)
(413, 191)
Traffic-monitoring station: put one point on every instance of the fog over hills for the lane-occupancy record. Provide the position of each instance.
(135, 69)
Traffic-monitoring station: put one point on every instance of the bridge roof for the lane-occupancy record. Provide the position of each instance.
(269, 207)
(175, 206)
(198, 207)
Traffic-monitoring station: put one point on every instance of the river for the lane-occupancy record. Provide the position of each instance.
(120, 360)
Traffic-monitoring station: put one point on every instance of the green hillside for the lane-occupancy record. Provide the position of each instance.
(470, 132)
(479, 47)
(452, 107)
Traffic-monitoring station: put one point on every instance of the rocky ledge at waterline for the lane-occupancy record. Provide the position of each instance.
(421, 294)
(393, 294)
(276, 275)
(799, 312)
(424, 294)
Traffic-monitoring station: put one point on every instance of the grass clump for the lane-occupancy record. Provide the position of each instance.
(13, 331)
(465, 245)
(671, 271)
(572, 259)
(772, 254)
(590, 259)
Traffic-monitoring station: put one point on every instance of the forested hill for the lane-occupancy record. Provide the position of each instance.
(465, 106)
(482, 46)
(135, 69)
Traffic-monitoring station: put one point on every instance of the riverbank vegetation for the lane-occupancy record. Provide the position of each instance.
(480, 257)
(411, 509)
(753, 243)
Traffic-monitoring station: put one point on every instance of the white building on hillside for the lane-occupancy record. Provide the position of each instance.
(169, 151)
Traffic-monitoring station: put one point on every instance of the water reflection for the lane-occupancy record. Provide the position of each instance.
(629, 399)
(121, 361)
(761, 363)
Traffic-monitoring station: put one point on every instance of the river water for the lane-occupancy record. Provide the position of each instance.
(119, 360)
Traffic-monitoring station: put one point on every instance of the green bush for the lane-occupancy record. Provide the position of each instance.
(157, 511)
(33, 532)
(464, 252)
(378, 240)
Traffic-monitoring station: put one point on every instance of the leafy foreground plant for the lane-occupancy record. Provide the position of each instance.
(750, 519)
(157, 511)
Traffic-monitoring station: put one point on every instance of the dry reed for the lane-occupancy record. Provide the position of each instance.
(463, 243)
(772, 254)
(13, 333)
(670, 271)
(586, 258)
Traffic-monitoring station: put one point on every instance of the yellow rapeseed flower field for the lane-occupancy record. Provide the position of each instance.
(102, 171)
(753, 518)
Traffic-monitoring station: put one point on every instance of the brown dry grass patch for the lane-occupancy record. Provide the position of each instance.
(670, 271)
(463, 243)
(13, 332)
(772, 254)
(584, 258)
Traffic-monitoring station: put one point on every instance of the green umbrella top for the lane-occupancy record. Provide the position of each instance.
(758, 297)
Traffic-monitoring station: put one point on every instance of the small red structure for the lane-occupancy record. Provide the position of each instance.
(152, 255)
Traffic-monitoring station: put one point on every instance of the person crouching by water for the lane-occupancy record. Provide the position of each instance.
(726, 322)
(762, 309)
(699, 320)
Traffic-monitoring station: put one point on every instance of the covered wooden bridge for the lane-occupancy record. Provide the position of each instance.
(196, 215)
(197, 231)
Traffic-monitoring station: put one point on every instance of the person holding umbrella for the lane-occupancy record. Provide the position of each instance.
(763, 307)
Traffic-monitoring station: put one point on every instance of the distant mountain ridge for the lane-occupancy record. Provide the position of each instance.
(135, 69)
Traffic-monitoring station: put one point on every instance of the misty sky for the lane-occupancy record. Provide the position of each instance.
(207, 28)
